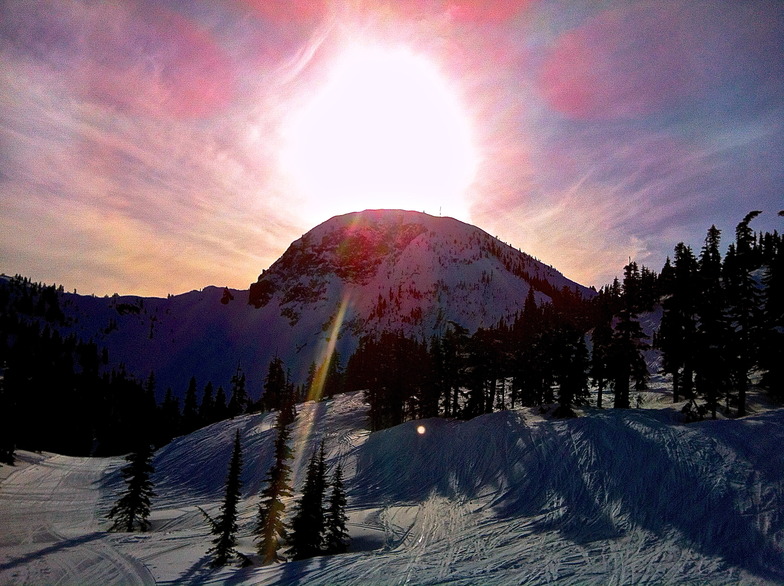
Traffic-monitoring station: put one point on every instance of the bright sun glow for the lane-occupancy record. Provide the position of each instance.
(385, 132)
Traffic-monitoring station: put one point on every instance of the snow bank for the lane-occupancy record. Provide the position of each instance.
(612, 497)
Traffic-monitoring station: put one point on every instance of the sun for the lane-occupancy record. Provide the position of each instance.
(386, 131)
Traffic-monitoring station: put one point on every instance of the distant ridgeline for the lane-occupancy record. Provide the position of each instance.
(64, 389)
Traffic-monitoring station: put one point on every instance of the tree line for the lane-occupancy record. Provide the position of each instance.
(722, 320)
(60, 394)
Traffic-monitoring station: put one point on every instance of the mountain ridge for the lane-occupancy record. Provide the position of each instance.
(355, 274)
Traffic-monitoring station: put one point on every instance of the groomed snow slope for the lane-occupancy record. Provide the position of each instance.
(615, 497)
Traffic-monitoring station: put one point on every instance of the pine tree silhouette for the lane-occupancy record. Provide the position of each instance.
(270, 526)
(239, 396)
(307, 526)
(133, 508)
(225, 526)
(336, 538)
(190, 409)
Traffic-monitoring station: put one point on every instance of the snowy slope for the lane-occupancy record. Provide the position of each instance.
(352, 275)
(613, 497)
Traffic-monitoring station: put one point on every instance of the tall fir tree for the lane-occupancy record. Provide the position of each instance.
(599, 369)
(7, 423)
(333, 378)
(220, 411)
(271, 529)
(626, 359)
(307, 525)
(170, 418)
(744, 305)
(571, 373)
(190, 408)
(225, 526)
(713, 336)
(207, 405)
(238, 402)
(133, 508)
(678, 325)
(336, 537)
(274, 385)
(772, 351)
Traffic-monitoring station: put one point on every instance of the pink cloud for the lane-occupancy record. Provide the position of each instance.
(286, 11)
(493, 11)
(635, 61)
(144, 60)
(477, 11)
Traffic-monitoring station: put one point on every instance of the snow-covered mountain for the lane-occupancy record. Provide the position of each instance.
(627, 496)
(352, 275)
(405, 271)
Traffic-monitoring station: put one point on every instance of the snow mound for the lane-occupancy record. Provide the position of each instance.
(612, 497)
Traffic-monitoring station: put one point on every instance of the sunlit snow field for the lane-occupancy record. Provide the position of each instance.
(612, 497)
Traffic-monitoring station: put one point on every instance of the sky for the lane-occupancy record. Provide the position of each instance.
(155, 147)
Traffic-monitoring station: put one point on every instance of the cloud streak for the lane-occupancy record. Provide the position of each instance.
(140, 141)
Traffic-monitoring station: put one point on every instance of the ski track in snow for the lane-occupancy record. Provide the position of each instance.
(616, 497)
(51, 528)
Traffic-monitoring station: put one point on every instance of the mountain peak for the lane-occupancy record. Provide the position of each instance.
(404, 270)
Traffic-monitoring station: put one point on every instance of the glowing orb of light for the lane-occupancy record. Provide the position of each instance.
(386, 131)
(421, 430)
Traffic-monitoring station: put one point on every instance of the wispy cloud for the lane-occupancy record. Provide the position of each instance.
(140, 141)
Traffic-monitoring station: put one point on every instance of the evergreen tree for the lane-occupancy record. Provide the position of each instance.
(307, 526)
(7, 435)
(571, 373)
(207, 406)
(454, 346)
(333, 379)
(744, 304)
(626, 359)
(665, 283)
(190, 408)
(601, 339)
(310, 379)
(221, 412)
(239, 396)
(336, 538)
(772, 351)
(133, 508)
(225, 526)
(677, 331)
(171, 419)
(270, 527)
(713, 333)
(274, 385)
